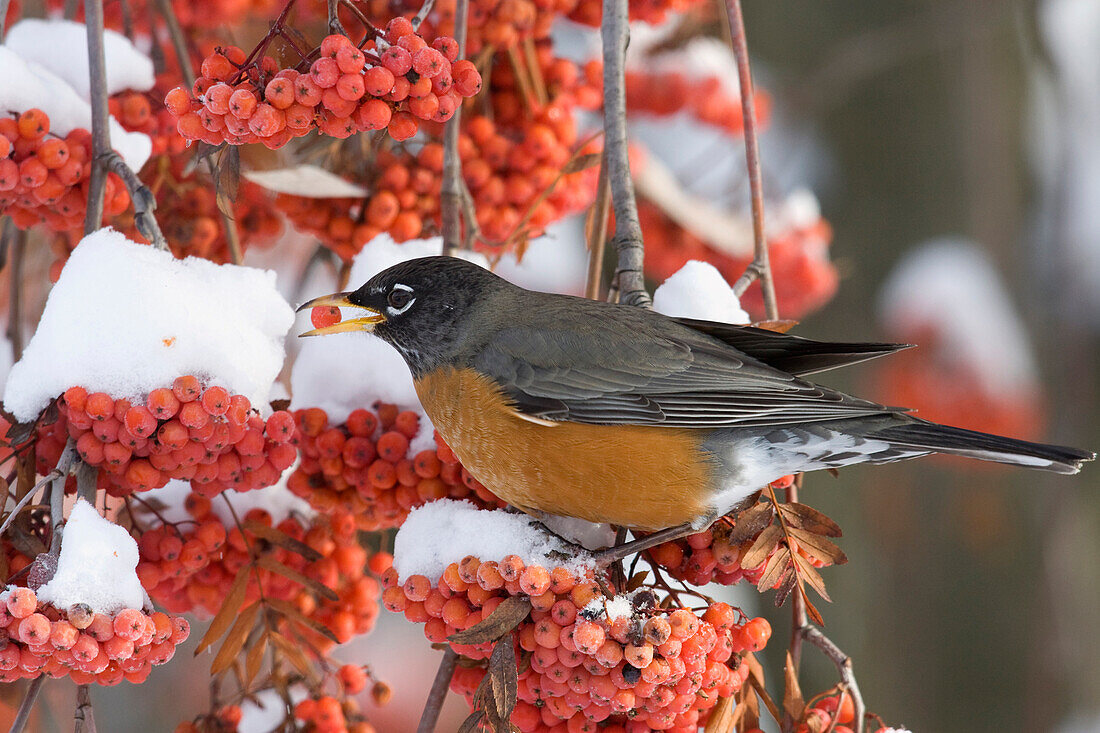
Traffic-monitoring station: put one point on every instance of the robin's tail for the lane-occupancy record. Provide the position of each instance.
(923, 435)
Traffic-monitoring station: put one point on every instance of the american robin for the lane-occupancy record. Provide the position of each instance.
(618, 414)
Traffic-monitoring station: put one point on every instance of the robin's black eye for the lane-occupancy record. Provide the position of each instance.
(398, 299)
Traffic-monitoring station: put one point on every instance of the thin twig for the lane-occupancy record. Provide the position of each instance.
(27, 497)
(629, 272)
(422, 14)
(16, 250)
(798, 603)
(27, 705)
(438, 692)
(843, 664)
(101, 133)
(57, 496)
(84, 716)
(760, 267)
(597, 233)
(86, 481)
(183, 58)
(145, 203)
(334, 25)
(4, 5)
(450, 199)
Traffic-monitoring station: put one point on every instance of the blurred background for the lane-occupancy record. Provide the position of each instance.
(954, 151)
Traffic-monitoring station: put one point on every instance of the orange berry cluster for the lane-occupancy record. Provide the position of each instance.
(831, 713)
(209, 437)
(364, 467)
(705, 99)
(402, 80)
(89, 647)
(137, 113)
(44, 178)
(592, 663)
(192, 570)
(508, 174)
(328, 714)
(805, 279)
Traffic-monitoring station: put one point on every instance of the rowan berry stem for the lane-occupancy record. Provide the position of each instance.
(101, 133)
(25, 707)
(84, 716)
(760, 268)
(843, 664)
(57, 495)
(450, 200)
(438, 692)
(16, 245)
(426, 8)
(798, 604)
(629, 272)
(597, 233)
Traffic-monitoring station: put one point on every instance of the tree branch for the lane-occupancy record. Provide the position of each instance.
(17, 246)
(629, 272)
(145, 203)
(438, 692)
(450, 199)
(760, 267)
(84, 716)
(27, 705)
(798, 602)
(101, 133)
(843, 664)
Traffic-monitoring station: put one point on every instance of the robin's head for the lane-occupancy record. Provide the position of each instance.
(420, 307)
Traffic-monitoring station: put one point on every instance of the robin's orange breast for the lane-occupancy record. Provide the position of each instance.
(636, 476)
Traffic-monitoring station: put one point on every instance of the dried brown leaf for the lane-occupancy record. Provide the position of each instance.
(810, 519)
(293, 653)
(581, 162)
(291, 612)
(283, 540)
(756, 680)
(775, 567)
(228, 612)
(787, 583)
(763, 546)
(778, 326)
(810, 575)
(793, 702)
(472, 721)
(506, 617)
(811, 609)
(235, 639)
(721, 717)
(504, 680)
(752, 521)
(636, 581)
(254, 659)
(818, 546)
(269, 563)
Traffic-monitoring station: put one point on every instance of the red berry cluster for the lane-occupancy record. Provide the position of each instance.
(705, 99)
(43, 177)
(328, 714)
(593, 662)
(364, 467)
(89, 647)
(514, 176)
(346, 90)
(139, 112)
(209, 437)
(805, 279)
(191, 570)
(833, 712)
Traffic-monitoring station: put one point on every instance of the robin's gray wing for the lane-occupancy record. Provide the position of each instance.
(787, 353)
(619, 365)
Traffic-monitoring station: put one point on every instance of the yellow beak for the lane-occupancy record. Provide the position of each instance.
(340, 300)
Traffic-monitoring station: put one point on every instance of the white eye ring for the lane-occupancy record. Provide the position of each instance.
(400, 299)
